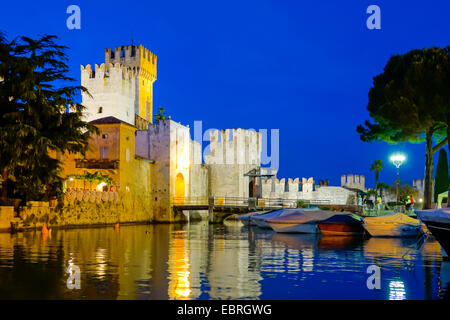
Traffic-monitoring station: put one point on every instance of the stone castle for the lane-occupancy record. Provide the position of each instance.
(157, 164)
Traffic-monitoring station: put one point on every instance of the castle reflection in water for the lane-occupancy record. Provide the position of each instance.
(199, 261)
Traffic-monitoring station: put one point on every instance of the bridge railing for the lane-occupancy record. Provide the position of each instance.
(190, 200)
(247, 202)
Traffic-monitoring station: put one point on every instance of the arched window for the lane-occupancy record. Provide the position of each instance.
(100, 110)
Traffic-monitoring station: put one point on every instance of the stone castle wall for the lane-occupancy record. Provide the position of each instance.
(232, 153)
(89, 211)
(304, 190)
(353, 181)
(113, 88)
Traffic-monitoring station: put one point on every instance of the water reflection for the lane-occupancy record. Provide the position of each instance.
(199, 261)
(397, 290)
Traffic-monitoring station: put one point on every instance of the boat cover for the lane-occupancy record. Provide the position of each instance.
(436, 215)
(302, 216)
(247, 216)
(347, 218)
(392, 218)
(281, 212)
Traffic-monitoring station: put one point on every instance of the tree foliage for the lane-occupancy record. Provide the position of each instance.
(404, 192)
(441, 180)
(161, 115)
(380, 187)
(91, 177)
(39, 114)
(406, 104)
(377, 166)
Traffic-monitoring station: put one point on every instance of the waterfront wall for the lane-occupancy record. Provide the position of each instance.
(86, 212)
(6, 216)
(304, 190)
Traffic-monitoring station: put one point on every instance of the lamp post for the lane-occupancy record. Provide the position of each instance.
(397, 160)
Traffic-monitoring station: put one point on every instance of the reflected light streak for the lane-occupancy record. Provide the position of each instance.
(397, 290)
(100, 259)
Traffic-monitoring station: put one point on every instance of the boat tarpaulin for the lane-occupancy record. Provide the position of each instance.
(302, 216)
(347, 218)
(280, 212)
(436, 215)
(247, 216)
(392, 218)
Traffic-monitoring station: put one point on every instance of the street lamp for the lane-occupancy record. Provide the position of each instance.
(397, 160)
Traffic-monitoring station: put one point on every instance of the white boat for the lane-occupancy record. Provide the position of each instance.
(392, 225)
(299, 221)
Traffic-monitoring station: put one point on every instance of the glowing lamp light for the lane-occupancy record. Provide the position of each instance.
(398, 159)
(70, 179)
(100, 186)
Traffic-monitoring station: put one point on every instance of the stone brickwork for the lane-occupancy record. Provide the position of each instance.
(113, 90)
(232, 153)
(6, 217)
(353, 181)
(304, 190)
(126, 209)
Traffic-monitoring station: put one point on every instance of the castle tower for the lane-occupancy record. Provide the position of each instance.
(122, 87)
(143, 63)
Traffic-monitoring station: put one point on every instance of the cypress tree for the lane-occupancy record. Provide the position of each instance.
(441, 179)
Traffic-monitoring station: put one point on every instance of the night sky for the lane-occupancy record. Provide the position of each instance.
(303, 67)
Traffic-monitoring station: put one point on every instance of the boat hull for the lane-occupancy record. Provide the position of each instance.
(441, 231)
(392, 231)
(340, 229)
(293, 227)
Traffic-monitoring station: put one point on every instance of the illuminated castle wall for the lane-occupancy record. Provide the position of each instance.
(121, 87)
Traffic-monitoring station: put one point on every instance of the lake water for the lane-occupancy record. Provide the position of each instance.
(199, 261)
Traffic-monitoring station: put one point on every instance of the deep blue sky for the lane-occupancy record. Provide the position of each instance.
(304, 67)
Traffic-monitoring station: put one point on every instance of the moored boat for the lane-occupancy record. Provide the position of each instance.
(438, 223)
(392, 225)
(246, 218)
(300, 221)
(342, 224)
(260, 220)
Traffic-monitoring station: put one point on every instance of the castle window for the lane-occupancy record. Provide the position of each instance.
(133, 51)
(103, 153)
(122, 52)
(104, 136)
(100, 110)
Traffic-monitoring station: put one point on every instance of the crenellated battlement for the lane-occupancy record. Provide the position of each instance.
(234, 146)
(353, 181)
(134, 56)
(111, 78)
(106, 70)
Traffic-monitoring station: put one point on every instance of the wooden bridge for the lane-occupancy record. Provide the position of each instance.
(235, 205)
